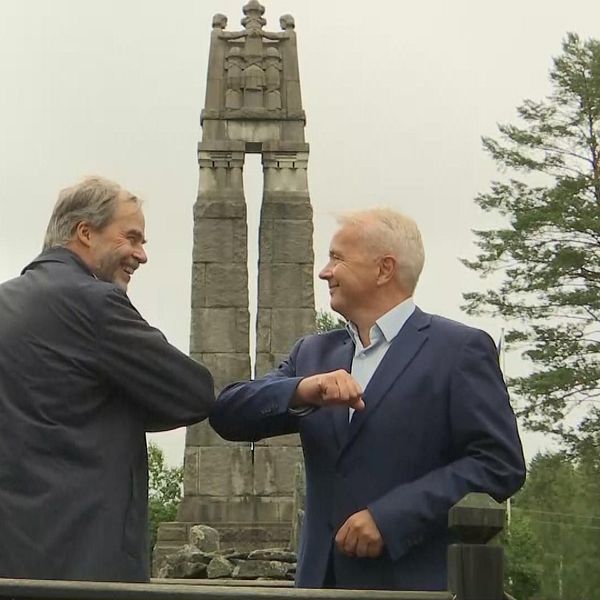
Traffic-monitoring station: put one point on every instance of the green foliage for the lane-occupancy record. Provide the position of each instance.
(549, 251)
(327, 321)
(523, 551)
(556, 552)
(164, 490)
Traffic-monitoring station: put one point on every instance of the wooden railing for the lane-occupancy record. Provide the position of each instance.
(84, 590)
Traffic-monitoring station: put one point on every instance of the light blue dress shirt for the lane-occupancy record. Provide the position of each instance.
(386, 328)
(366, 360)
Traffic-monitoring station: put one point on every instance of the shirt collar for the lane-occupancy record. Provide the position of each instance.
(388, 325)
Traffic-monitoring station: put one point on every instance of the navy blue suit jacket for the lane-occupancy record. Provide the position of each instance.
(437, 425)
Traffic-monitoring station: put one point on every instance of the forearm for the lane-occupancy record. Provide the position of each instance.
(169, 388)
(252, 410)
(412, 512)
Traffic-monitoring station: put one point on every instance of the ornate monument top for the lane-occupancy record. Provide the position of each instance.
(253, 73)
(253, 19)
(253, 7)
(219, 21)
(253, 22)
(287, 22)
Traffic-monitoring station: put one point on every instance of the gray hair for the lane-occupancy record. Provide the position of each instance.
(93, 200)
(385, 231)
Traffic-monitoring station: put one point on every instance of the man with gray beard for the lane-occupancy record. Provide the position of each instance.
(83, 377)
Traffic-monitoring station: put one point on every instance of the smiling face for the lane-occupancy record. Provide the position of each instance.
(351, 273)
(116, 251)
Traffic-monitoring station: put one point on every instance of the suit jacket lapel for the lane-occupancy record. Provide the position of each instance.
(402, 350)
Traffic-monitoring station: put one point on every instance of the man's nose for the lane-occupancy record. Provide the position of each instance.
(140, 255)
(325, 272)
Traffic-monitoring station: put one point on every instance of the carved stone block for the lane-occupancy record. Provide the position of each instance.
(292, 241)
(219, 330)
(286, 285)
(291, 440)
(286, 241)
(191, 472)
(289, 324)
(265, 362)
(220, 240)
(217, 509)
(202, 434)
(289, 205)
(219, 208)
(225, 367)
(226, 471)
(226, 285)
(274, 469)
(273, 509)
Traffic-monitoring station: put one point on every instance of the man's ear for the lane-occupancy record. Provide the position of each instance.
(83, 233)
(387, 267)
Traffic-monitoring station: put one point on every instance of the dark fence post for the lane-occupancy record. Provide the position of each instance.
(476, 568)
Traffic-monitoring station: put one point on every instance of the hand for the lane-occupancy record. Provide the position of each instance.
(326, 389)
(359, 536)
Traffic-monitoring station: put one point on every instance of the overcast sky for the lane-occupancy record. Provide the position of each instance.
(397, 96)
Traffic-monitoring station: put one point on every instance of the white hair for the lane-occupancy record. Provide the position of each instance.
(385, 231)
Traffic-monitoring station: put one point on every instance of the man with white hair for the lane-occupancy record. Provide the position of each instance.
(82, 378)
(400, 415)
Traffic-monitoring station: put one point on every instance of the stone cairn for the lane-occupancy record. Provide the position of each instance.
(253, 105)
(202, 558)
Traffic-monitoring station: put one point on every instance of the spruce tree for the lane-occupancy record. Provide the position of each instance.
(549, 248)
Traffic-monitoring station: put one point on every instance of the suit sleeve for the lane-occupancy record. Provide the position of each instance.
(170, 389)
(486, 456)
(253, 410)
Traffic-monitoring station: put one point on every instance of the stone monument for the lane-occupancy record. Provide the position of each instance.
(253, 105)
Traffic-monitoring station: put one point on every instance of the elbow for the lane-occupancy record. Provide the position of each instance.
(200, 399)
(225, 428)
(201, 403)
(519, 471)
(209, 401)
(209, 392)
(519, 477)
(513, 481)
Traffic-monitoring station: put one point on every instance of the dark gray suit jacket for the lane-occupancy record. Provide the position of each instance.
(82, 378)
(437, 425)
